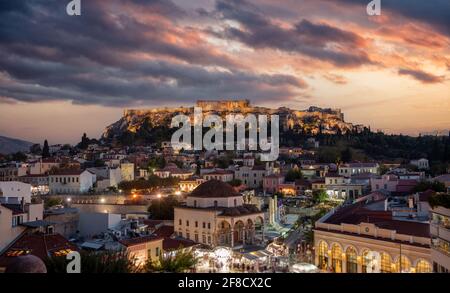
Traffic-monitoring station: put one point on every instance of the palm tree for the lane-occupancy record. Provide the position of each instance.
(96, 262)
(178, 261)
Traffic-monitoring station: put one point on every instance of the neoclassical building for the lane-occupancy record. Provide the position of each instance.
(216, 215)
(357, 239)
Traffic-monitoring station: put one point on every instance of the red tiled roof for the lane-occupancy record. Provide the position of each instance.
(139, 240)
(425, 196)
(220, 172)
(214, 188)
(356, 214)
(38, 244)
(172, 244)
(164, 231)
(152, 223)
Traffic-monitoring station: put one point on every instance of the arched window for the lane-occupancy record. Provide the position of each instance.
(215, 203)
(336, 258)
(386, 264)
(195, 203)
(404, 265)
(235, 202)
(352, 262)
(423, 267)
(323, 255)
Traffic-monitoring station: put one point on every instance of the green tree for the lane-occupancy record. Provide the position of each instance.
(320, 196)
(439, 199)
(99, 163)
(427, 185)
(84, 143)
(235, 182)
(35, 149)
(157, 163)
(293, 175)
(179, 262)
(19, 157)
(48, 203)
(45, 150)
(346, 155)
(163, 208)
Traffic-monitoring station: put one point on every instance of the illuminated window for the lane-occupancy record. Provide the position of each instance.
(385, 263)
(352, 264)
(323, 257)
(336, 258)
(423, 267)
(365, 261)
(404, 266)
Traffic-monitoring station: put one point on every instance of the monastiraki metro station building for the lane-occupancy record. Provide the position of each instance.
(215, 215)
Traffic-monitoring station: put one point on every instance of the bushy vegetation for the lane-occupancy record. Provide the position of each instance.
(162, 208)
(427, 185)
(440, 199)
(51, 202)
(180, 261)
(293, 175)
(151, 183)
(96, 263)
(319, 196)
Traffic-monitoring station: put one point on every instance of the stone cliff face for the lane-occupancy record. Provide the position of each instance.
(140, 123)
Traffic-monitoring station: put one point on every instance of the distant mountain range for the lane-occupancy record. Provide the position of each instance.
(12, 145)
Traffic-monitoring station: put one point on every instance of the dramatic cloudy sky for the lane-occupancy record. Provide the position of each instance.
(61, 75)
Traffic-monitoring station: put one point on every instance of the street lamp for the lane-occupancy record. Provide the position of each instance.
(159, 195)
(102, 200)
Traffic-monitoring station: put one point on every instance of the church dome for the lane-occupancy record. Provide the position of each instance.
(214, 188)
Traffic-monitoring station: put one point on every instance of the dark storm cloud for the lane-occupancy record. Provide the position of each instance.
(433, 12)
(109, 56)
(421, 76)
(306, 38)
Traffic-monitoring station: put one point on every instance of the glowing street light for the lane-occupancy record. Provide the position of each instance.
(69, 199)
(159, 195)
(177, 192)
(102, 200)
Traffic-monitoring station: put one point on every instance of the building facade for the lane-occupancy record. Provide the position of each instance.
(440, 239)
(215, 215)
(356, 239)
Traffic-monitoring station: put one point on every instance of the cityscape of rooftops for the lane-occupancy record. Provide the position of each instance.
(315, 137)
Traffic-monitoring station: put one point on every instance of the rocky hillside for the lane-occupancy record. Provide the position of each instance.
(153, 125)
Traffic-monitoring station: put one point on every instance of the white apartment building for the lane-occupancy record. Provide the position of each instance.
(252, 176)
(127, 171)
(15, 192)
(421, 164)
(440, 239)
(71, 182)
(221, 175)
(16, 209)
(358, 168)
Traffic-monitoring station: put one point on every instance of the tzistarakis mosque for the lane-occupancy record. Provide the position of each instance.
(215, 215)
